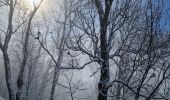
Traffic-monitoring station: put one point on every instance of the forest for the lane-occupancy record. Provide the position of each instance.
(84, 49)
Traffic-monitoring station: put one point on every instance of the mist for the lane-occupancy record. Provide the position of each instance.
(84, 50)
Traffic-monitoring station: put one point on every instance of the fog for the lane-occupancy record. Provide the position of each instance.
(84, 50)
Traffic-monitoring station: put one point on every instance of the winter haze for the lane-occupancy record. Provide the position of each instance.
(84, 50)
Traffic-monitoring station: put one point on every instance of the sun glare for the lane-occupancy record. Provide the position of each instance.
(34, 2)
(30, 3)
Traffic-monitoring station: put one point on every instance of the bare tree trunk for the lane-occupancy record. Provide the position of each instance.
(4, 48)
(11, 92)
(118, 91)
(105, 71)
(43, 84)
(58, 63)
(105, 74)
(104, 77)
(55, 81)
(20, 80)
(28, 83)
(57, 68)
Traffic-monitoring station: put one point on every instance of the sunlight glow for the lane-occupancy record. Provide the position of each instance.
(34, 2)
(31, 3)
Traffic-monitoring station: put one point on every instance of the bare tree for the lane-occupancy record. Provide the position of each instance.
(98, 36)
(60, 43)
(123, 27)
(143, 56)
(127, 40)
(4, 47)
(20, 80)
(73, 86)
